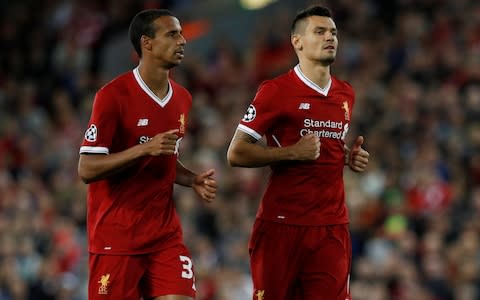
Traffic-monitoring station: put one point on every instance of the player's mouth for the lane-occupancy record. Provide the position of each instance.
(329, 47)
(180, 53)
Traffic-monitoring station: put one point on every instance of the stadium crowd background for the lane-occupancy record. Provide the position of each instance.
(415, 65)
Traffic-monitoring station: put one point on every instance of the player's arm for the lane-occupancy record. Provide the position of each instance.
(94, 167)
(184, 176)
(203, 184)
(244, 151)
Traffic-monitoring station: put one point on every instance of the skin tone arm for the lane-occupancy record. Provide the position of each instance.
(96, 167)
(92, 168)
(244, 151)
(203, 184)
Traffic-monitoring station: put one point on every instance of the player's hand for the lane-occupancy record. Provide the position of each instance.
(162, 144)
(308, 147)
(357, 156)
(205, 186)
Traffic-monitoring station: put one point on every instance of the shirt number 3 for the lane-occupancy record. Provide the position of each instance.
(187, 267)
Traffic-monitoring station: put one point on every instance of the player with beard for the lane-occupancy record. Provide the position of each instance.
(129, 157)
(300, 245)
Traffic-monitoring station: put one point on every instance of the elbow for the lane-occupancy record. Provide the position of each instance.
(84, 175)
(86, 179)
(233, 159)
(230, 160)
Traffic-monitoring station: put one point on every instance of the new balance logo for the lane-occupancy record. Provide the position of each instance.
(304, 106)
(142, 122)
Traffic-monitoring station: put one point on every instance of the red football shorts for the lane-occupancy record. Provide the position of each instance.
(291, 262)
(130, 277)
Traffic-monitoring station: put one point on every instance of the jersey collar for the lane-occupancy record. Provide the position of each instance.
(311, 84)
(146, 89)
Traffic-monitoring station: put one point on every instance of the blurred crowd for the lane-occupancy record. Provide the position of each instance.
(415, 214)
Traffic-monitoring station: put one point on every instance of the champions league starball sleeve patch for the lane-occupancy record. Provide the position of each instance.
(250, 114)
(91, 133)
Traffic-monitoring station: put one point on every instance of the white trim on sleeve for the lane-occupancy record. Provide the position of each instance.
(249, 131)
(94, 150)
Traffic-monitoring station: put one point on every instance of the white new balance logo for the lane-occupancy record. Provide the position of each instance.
(142, 122)
(304, 106)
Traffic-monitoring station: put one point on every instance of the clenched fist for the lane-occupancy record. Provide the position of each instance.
(162, 144)
(307, 148)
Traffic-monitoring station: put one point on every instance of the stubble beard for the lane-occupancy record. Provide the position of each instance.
(327, 61)
(172, 64)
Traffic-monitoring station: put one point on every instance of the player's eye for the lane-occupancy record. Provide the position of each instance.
(173, 33)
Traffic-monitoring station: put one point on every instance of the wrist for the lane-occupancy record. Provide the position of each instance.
(288, 154)
(141, 150)
(191, 178)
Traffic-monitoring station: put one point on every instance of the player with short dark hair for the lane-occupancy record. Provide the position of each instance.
(129, 157)
(300, 246)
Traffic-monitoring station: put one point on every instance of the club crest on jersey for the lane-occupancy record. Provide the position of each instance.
(181, 120)
(250, 114)
(91, 133)
(260, 294)
(103, 289)
(347, 110)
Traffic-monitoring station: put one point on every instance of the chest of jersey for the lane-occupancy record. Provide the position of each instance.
(326, 117)
(147, 118)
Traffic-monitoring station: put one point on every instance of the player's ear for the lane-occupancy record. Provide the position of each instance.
(146, 42)
(296, 42)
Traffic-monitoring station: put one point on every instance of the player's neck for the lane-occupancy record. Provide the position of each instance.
(155, 78)
(318, 74)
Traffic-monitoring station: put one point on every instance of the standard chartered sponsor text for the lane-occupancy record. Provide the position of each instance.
(316, 123)
(318, 131)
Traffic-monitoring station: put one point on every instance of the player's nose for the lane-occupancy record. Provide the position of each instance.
(328, 36)
(181, 41)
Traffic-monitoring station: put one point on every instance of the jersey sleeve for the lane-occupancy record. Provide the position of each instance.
(101, 126)
(262, 113)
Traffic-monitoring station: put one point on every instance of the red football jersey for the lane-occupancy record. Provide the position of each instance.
(133, 211)
(285, 109)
